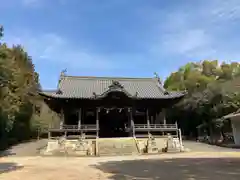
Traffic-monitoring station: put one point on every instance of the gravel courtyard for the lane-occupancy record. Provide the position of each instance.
(189, 166)
(203, 162)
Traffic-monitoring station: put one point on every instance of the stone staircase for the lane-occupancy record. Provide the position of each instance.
(174, 145)
(117, 146)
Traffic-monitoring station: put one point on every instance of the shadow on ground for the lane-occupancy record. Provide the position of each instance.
(173, 169)
(28, 148)
(7, 153)
(8, 167)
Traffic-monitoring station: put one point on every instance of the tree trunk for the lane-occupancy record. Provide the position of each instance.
(210, 133)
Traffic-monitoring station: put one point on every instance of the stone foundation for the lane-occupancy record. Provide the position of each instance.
(112, 146)
(153, 145)
(70, 147)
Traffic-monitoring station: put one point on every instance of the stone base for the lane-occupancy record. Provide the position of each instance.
(52, 146)
(70, 147)
(158, 145)
(142, 146)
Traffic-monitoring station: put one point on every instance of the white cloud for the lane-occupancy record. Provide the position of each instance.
(55, 49)
(187, 41)
(200, 32)
(226, 9)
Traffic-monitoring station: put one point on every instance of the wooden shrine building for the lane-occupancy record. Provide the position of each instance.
(110, 106)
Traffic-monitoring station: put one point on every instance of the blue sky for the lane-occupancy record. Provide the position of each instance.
(121, 37)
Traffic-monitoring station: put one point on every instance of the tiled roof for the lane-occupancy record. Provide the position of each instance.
(92, 87)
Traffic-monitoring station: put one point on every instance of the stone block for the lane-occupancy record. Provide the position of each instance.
(141, 146)
(52, 146)
(81, 153)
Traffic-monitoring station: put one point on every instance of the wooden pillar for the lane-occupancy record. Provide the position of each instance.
(164, 116)
(61, 119)
(164, 119)
(132, 122)
(148, 121)
(97, 121)
(180, 140)
(49, 134)
(147, 116)
(129, 124)
(79, 118)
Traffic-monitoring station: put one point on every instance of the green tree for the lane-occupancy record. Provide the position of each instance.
(210, 96)
(1, 31)
(19, 87)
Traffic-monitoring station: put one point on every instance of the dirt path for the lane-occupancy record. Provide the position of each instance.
(202, 147)
(25, 149)
(203, 162)
(32, 148)
(208, 166)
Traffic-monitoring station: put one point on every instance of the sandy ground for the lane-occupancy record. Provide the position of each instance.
(25, 149)
(191, 166)
(203, 162)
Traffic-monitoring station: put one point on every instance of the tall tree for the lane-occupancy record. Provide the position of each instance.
(19, 86)
(209, 96)
(1, 31)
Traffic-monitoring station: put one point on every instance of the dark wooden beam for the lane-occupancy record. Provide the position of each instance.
(97, 121)
(79, 118)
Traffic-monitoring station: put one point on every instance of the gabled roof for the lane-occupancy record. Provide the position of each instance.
(96, 87)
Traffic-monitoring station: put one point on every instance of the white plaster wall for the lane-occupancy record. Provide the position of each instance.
(236, 129)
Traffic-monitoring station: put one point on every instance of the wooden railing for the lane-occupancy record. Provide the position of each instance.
(88, 127)
(135, 127)
(83, 127)
(69, 127)
(155, 126)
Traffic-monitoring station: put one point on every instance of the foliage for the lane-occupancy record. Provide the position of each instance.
(212, 93)
(19, 87)
(1, 31)
(45, 118)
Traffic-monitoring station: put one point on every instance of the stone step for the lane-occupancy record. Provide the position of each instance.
(117, 146)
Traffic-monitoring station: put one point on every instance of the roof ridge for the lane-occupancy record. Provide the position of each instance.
(160, 86)
(108, 77)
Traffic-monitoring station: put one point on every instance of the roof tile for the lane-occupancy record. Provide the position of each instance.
(85, 87)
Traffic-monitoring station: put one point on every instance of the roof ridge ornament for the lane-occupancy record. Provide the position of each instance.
(59, 92)
(158, 78)
(115, 85)
(63, 73)
(94, 95)
(166, 92)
